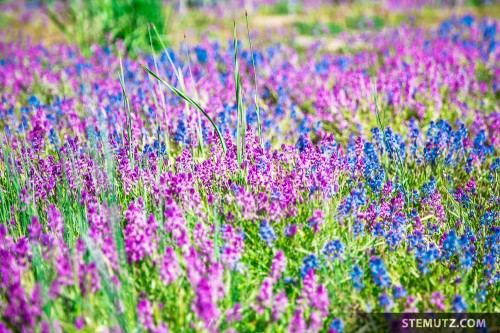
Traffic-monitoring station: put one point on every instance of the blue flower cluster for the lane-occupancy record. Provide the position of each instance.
(267, 232)
(310, 262)
(333, 250)
(379, 272)
(357, 277)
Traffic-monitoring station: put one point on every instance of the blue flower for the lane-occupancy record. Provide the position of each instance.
(336, 326)
(426, 255)
(414, 136)
(451, 244)
(358, 228)
(164, 57)
(480, 149)
(429, 187)
(304, 126)
(181, 134)
(495, 165)
(333, 250)
(34, 101)
(310, 262)
(468, 259)
(398, 292)
(53, 137)
(459, 304)
(487, 218)
(374, 173)
(357, 277)
(467, 20)
(303, 143)
(416, 239)
(379, 272)
(386, 301)
(395, 235)
(201, 54)
(379, 138)
(267, 232)
(481, 295)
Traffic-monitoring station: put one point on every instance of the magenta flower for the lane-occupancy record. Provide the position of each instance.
(438, 300)
(140, 233)
(278, 266)
(316, 220)
(169, 268)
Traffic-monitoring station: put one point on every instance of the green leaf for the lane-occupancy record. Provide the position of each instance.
(190, 101)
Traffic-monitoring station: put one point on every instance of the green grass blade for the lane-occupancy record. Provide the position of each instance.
(127, 106)
(241, 126)
(162, 99)
(190, 101)
(55, 19)
(165, 51)
(198, 118)
(178, 74)
(256, 98)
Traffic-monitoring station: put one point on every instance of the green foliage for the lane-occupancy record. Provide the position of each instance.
(241, 126)
(104, 21)
(283, 7)
(256, 97)
(316, 28)
(334, 28)
(362, 22)
(305, 28)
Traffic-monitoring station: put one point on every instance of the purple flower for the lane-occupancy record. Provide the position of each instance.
(316, 220)
(438, 300)
(139, 234)
(175, 223)
(232, 250)
(35, 229)
(290, 230)
(145, 313)
(297, 323)
(79, 323)
(265, 296)
(169, 269)
(279, 305)
(204, 305)
(278, 266)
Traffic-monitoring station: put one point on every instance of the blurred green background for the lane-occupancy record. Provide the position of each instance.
(293, 22)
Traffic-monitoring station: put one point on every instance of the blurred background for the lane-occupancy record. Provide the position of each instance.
(296, 23)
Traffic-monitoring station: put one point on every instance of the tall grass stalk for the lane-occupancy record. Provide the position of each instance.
(256, 96)
(129, 118)
(180, 78)
(191, 102)
(198, 118)
(241, 125)
(166, 138)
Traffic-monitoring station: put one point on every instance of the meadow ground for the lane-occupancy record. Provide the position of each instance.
(286, 175)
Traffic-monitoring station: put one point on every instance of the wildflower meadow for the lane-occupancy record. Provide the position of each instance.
(240, 181)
